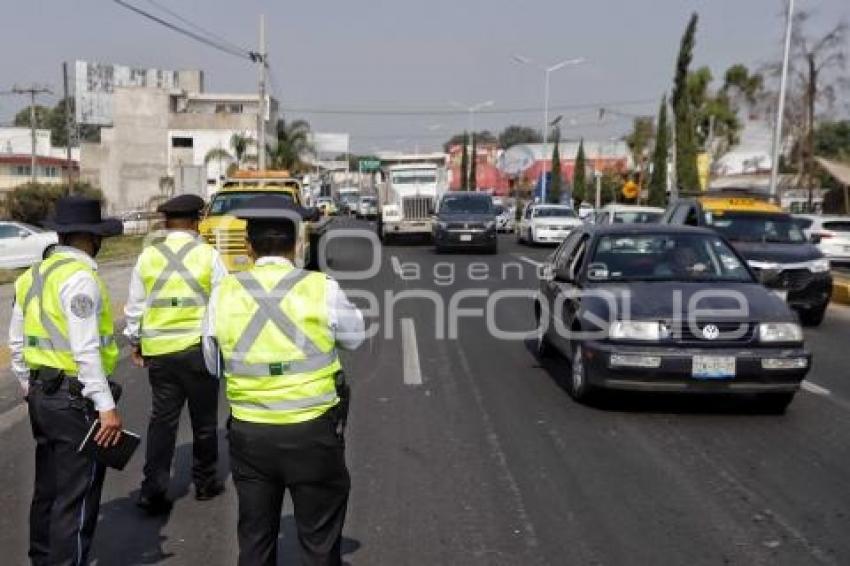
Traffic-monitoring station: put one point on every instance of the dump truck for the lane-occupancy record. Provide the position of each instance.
(227, 233)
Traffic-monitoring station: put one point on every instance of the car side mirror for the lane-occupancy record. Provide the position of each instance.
(23, 234)
(815, 238)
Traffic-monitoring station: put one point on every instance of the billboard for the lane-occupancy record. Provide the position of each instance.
(329, 143)
(94, 85)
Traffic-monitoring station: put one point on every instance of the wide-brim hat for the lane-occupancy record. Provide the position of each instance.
(81, 214)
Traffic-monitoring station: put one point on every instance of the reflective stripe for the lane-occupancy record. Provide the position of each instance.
(287, 405)
(269, 311)
(48, 343)
(177, 302)
(57, 340)
(313, 363)
(160, 332)
(175, 265)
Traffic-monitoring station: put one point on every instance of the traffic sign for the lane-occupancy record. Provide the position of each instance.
(631, 190)
(369, 165)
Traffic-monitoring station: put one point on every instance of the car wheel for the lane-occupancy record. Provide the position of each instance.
(813, 317)
(530, 237)
(438, 249)
(579, 388)
(542, 347)
(774, 403)
(494, 249)
(519, 236)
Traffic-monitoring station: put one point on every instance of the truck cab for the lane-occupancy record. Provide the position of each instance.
(227, 233)
(773, 244)
(408, 199)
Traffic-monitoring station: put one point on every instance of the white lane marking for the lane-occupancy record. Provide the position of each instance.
(396, 265)
(815, 388)
(13, 416)
(529, 261)
(410, 351)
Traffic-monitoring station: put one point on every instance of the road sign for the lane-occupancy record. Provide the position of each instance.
(369, 165)
(631, 190)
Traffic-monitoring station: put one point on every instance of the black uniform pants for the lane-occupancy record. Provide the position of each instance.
(309, 460)
(66, 498)
(175, 379)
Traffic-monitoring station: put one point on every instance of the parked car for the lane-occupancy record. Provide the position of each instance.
(465, 220)
(367, 208)
(830, 233)
(140, 222)
(586, 210)
(21, 245)
(505, 218)
(622, 303)
(546, 224)
(772, 243)
(327, 206)
(628, 214)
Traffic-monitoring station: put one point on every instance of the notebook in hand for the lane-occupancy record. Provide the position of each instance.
(114, 456)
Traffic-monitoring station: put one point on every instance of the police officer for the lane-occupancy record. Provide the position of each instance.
(273, 333)
(169, 290)
(62, 350)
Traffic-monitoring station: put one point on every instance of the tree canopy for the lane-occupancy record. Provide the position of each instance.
(514, 135)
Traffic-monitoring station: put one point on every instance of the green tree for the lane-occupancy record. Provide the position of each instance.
(686, 150)
(658, 181)
(580, 175)
(293, 145)
(832, 140)
(485, 137)
(643, 130)
(240, 144)
(55, 120)
(514, 135)
(33, 202)
(473, 165)
(464, 165)
(554, 190)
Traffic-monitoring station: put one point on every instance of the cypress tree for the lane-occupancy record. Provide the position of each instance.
(687, 175)
(554, 193)
(658, 181)
(464, 165)
(580, 175)
(473, 166)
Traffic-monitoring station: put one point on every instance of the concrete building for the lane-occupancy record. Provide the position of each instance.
(16, 158)
(159, 139)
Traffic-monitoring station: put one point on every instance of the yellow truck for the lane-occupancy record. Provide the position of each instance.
(227, 233)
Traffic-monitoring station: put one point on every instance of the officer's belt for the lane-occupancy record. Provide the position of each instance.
(268, 303)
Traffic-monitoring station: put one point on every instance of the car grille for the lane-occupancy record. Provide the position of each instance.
(228, 242)
(788, 279)
(416, 208)
(730, 332)
(466, 226)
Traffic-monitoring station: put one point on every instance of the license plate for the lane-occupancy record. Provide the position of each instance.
(713, 367)
(466, 237)
(782, 294)
(847, 249)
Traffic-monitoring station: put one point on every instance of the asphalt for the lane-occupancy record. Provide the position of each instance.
(466, 450)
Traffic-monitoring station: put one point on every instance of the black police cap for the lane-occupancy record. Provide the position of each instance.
(183, 206)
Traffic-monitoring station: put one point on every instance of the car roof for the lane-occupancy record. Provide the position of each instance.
(715, 203)
(604, 229)
(551, 205)
(630, 207)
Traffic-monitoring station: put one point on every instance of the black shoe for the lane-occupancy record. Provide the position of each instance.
(155, 504)
(209, 491)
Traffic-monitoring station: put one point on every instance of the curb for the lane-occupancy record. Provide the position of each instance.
(841, 290)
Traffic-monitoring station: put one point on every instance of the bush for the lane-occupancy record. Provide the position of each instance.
(34, 202)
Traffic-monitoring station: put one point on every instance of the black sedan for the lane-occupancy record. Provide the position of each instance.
(466, 220)
(668, 309)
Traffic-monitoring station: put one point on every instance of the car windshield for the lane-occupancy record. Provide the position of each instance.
(636, 217)
(368, 200)
(665, 257)
(756, 227)
(466, 204)
(223, 203)
(837, 226)
(554, 212)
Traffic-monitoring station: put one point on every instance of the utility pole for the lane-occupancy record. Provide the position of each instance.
(780, 109)
(261, 58)
(70, 131)
(674, 174)
(32, 91)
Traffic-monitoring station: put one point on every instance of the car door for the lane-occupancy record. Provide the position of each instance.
(12, 245)
(553, 287)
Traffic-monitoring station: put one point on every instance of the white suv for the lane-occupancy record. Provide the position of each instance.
(21, 245)
(830, 233)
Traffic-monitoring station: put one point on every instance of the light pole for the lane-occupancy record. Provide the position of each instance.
(547, 72)
(780, 111)
(471, 110)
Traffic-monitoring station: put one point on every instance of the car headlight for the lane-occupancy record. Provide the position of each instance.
(442, 225)
(491, 225)
(780, 332)
(818, 265)
(637, 330)
(391, 212)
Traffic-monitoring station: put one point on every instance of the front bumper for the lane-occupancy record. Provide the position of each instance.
(549, 236)
(407, 226)
(465, 238)
(674, 374)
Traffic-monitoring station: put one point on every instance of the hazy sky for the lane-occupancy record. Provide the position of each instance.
(406, 54)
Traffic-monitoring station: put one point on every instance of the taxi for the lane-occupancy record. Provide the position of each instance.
(773, 244)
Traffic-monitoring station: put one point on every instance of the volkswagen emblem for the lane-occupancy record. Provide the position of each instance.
(710, 332)
(466, 226)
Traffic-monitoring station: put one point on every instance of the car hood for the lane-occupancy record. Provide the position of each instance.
(777, 253)
(465, 217)
(557, 221)
(665, 300)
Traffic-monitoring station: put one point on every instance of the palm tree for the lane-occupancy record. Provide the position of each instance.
(293, 145)
(240, 144)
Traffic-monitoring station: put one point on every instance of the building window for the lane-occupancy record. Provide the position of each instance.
(236, 109)
(220, 108)
(182, 142)
(22, 170)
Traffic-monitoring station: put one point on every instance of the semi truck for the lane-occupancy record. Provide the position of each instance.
(407, 199)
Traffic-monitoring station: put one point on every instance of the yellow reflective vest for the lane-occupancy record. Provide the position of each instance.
(45, 325)
(278, 349)
(177, 276)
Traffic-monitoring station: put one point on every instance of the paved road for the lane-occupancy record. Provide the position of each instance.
(467, 451)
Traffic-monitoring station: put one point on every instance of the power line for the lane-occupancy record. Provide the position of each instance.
(219, 38)
(242, 54)
(449, 112)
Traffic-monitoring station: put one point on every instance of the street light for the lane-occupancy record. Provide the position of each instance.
(780, 111)
(547, 71)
